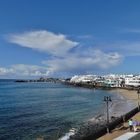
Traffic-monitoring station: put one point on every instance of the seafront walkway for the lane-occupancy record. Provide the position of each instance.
(121, 131)
(126, 136)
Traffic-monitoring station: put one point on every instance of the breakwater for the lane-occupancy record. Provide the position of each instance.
(92, 131)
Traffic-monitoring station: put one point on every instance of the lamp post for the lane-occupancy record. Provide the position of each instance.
(138, 92)
(107, 99)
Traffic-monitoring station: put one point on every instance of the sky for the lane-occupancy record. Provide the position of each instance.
(62, 38)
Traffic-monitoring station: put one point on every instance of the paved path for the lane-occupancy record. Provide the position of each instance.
(126, 136)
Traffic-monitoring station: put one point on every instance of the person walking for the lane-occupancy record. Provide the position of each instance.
(135, 126)
(130, 123)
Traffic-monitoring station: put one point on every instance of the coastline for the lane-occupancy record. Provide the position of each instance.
(125, 101)
(131, 96)
(128, 94)
(118, 110)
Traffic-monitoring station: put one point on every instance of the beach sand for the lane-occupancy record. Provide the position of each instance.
(129, 95)
(127, 100)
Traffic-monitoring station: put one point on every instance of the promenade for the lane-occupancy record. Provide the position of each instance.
(120, 130)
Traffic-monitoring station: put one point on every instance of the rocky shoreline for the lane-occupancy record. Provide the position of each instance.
(97, 126)
(53, 80)
(94, 130)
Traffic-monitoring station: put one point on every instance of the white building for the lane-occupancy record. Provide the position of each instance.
(133, 81)
(82, 78)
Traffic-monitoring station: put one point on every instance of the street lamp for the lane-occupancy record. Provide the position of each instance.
(107, 99)
(138, 92)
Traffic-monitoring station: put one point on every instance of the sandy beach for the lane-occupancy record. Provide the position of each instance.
(125, 102)
(133, 97)
(128, 94)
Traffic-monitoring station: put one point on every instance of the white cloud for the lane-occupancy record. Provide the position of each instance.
(74, 58)
(89, 61)
(30, 70)
(24, 70)
(45, 41)
(6, 71)
(70, 64)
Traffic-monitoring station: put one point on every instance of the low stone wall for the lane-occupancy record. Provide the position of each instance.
(94, 131)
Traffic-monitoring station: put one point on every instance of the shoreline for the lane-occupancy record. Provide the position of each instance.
(126, 93)
(130, 95)
(129, 110)
(126, 101)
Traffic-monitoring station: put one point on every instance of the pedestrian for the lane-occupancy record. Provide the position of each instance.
(130, 123)
(135, 125)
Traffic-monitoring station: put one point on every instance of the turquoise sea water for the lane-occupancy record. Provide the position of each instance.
(30, 110)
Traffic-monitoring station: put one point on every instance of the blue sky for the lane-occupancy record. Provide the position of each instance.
(68, 37)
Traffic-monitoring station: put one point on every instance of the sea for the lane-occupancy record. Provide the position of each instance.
(49, 110)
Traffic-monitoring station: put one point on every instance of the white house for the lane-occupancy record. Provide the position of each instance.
(133, 81)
